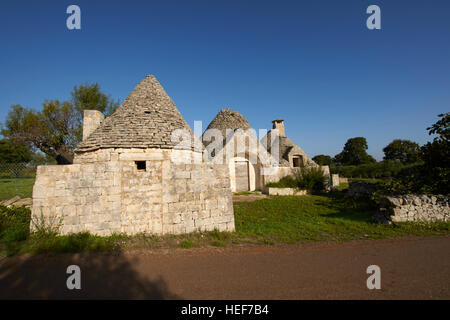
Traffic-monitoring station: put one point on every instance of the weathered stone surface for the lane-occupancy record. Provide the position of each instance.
(146, 119)
(335, 181)
(225, 120)
(287, 149)
(91, 121)
(286, 192)
(6, 203)
(17, 202)
(114, 196)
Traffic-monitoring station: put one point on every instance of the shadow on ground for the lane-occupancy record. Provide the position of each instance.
(348, 208)
(103, 276)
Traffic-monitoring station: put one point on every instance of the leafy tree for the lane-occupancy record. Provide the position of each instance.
(323, 160)
(441, 128)
(436, 156)
(433, 176)
(90, 97)
(405, 151)
(354, 153)
(12, 152)
(57, 128)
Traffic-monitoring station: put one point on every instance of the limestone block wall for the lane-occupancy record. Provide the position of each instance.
(285, 192)
(274, 174)
(416, 208)
(106, 192)
(197, 197)
(78, 198)
(335, 180)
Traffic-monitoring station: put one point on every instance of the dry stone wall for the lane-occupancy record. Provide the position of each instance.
(78, 197)
(106, 193)
(414, 208)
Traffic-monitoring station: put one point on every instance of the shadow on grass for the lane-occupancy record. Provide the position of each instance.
(103, 276)
(348, 208)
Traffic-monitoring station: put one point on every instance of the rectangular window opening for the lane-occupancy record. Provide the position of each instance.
(141, 165)
(297, 161)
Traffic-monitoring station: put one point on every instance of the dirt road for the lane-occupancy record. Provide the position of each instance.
(410, 269)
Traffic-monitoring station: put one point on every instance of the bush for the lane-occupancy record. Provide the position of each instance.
(14, 224)
(77, 242)
(420, 179)
(307, 178)
(285, 182)
(311, 178)
(378, 170)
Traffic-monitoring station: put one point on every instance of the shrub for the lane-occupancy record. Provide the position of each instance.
(77, 242)
(382, 169)
(311, 178)
(420, 179)
(46, 227)
(308, 178)
(14, 224)
(285, 182)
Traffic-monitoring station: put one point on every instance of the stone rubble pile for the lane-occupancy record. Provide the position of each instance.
(17, 202)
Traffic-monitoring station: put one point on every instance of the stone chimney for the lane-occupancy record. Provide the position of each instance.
(279, 125)
(91, 120)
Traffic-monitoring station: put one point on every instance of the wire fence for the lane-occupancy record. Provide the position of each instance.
(17, 170)
(16, 179)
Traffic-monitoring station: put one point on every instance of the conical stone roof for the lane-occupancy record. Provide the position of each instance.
(145, 119)
(228, 119)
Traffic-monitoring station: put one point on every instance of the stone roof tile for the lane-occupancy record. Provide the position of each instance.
(145, 119)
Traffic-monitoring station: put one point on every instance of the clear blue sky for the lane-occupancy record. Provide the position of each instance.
(312, 63)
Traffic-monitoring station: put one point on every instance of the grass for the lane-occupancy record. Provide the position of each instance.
(368, 180)
(285, 182)
(270, 221)
(247, 193)
(22, 187)
(330, 217)
(342, 186)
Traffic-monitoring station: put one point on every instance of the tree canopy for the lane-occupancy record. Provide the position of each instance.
(354, 153)
(323, 160)
(57, 128)
(11, 152)
(433, 176)
(404, 151)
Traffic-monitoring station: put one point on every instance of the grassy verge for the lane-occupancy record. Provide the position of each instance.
(342, 186)
(329, 217)
(368, 180)
(274, 220)
(247, 193)
(22, 187)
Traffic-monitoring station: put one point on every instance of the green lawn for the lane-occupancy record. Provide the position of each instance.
(22, 187)
(332, 217)
(273, 220)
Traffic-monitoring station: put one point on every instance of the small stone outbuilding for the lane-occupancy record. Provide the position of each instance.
(132, 175)
(252, 163)
(239, 149)
(289, 156)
